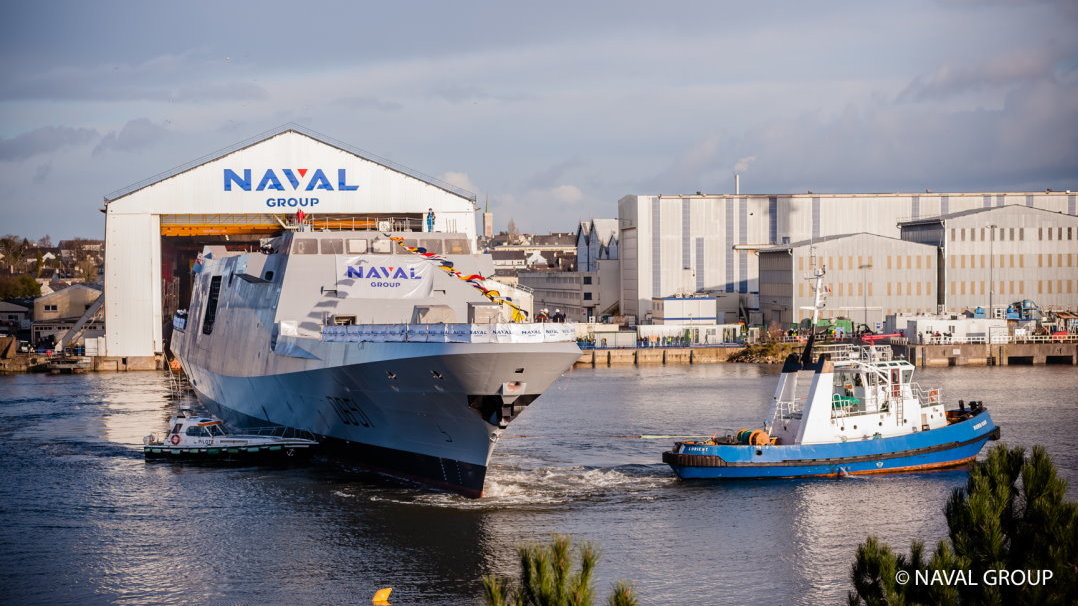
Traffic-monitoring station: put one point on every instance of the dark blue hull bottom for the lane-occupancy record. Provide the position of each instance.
(952, 446)
(436, 472)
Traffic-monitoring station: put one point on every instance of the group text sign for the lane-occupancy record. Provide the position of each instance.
(384, 277)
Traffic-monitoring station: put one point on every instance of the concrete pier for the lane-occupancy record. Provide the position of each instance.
(647, 356)
(996, 354)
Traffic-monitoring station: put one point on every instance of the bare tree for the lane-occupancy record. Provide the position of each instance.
(514, 233)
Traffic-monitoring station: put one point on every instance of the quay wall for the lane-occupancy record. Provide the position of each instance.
(648, 356)
(958, 354)
(995, 354)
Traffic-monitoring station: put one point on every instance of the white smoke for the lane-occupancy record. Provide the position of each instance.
(742, 164)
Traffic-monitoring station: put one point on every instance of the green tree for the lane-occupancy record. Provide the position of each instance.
(14, 250)
(18, 286)
(1012, 515)
(547, 578)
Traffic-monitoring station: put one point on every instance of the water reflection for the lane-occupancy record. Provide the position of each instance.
(84, 519)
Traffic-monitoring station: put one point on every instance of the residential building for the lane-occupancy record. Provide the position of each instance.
(56, 313)
(590, 288)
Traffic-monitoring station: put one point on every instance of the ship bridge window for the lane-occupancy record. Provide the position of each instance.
(456, 246)
(332, 246)
(215, 430)
(211, 305)
(196, 431)
(432, 246)
(357, 246)
(305, 246)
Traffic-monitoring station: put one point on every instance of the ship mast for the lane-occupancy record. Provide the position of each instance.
(817, 305)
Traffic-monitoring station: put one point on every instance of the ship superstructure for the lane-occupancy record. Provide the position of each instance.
(391, 348)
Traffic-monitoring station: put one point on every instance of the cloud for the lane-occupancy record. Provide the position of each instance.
(165, 78)
(554, 173)
(369, 103)
(43, 141)
(1017, 66)
(137, 134)
(41, 173)
(461, 180)
(689, 171)
(569, 194)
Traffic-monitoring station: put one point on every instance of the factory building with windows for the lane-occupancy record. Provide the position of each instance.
(684, 244)
(155, 229)
(867, 278)
(993, 257)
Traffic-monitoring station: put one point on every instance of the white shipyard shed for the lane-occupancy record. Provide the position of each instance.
(155, 229)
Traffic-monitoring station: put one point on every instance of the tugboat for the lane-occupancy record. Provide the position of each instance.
(196, 438)
(861, 413)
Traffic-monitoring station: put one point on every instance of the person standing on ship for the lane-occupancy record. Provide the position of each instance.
(430, 219)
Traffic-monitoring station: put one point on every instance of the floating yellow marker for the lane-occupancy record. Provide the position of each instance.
(381, 596)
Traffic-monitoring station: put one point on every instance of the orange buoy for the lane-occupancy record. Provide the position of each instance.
(381, 596)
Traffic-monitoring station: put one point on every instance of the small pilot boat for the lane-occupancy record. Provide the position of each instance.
(861, 413)
(194, 437)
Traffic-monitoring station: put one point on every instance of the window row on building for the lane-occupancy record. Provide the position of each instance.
(1013, 260)
(846, 262)
(1013, 287)
(982, 234)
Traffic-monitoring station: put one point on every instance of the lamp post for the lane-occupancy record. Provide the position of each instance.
(864, 288)
(991, 268)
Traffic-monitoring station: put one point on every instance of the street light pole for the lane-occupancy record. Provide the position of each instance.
(991, 268)
(864, 289)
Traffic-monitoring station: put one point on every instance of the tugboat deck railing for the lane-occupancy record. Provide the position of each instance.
(849, 352)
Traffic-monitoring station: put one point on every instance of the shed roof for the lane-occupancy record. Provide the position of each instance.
(301, 130)
(815, 241)
(976, 211)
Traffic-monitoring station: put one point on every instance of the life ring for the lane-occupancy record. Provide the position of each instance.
(175, 439)
(934, 396)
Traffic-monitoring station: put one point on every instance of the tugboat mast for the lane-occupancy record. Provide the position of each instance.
(817, 305)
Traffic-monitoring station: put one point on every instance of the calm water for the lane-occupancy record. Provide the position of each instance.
(84, 519)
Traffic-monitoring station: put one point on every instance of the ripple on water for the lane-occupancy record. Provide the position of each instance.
(542, 487)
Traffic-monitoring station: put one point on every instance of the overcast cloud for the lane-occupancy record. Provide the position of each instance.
(551, 111)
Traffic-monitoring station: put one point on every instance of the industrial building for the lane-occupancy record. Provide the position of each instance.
(591, 291)
(685, 244)
(868, 277)
(689, 311)
(155, 229)
(993, 257)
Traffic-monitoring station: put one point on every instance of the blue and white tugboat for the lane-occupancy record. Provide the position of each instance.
(860, 413)
(194, 437)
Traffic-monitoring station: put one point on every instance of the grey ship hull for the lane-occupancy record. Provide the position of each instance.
(429, 412)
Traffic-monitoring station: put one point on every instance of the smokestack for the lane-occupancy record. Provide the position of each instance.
(737, 184)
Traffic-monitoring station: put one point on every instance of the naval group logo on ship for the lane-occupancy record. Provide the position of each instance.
(293, 180)
(383, 277)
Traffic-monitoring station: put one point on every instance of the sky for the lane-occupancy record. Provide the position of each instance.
(551, 111)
